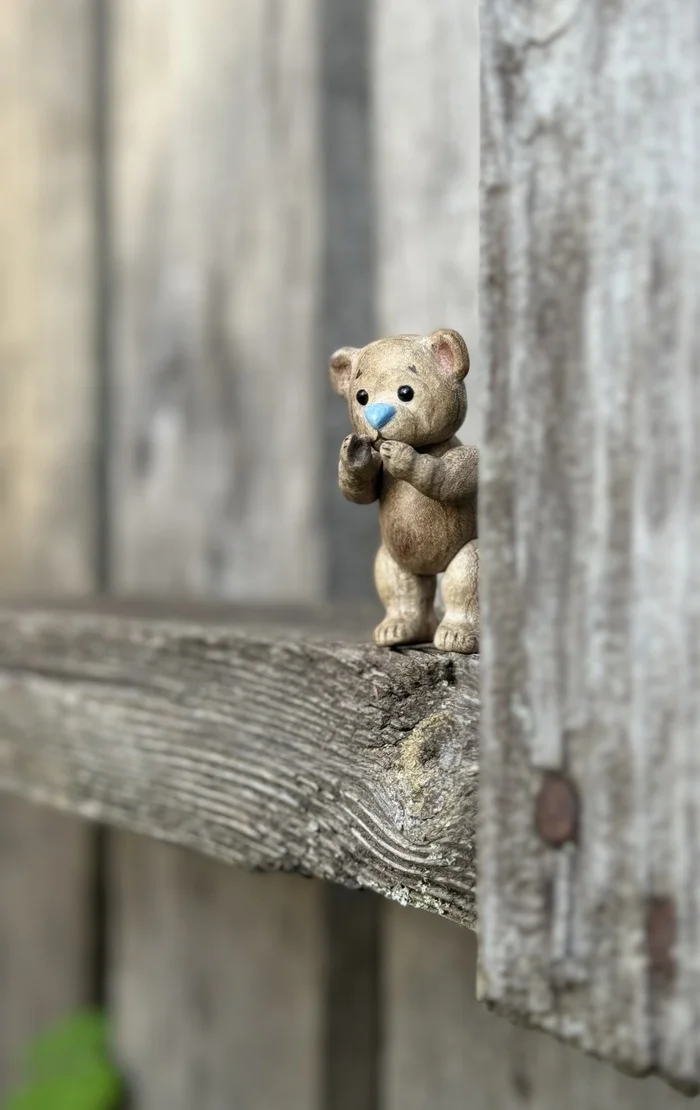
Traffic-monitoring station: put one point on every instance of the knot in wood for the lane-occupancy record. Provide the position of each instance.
(556, 815)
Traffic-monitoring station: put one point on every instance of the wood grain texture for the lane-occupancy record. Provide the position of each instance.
(337, 760)
(444, 1050)
(47, 436)
(590, 525)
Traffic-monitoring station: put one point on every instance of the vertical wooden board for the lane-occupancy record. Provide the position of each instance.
(444, 1050)
(216, 982)
(47, 443)
(425, 81)
(47, 429)
(216, 205)
(248, 1035)
(590, 523)
(46, 925)
(216, 457)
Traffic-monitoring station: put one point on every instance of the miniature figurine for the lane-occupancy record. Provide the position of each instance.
(407, 398)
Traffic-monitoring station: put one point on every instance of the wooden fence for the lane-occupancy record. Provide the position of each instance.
(200, 201)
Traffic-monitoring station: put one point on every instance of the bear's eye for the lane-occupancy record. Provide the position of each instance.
(362, 396)
(405, 393)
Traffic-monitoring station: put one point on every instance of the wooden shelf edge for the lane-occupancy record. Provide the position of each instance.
(270, 745)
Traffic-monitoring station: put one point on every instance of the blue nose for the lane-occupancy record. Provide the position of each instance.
(378, 415)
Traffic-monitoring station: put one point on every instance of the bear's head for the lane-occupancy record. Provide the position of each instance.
(408, 388)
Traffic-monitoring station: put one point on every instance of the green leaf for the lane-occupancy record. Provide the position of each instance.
(81, 1037)
(69, 1068)
(96, 1086)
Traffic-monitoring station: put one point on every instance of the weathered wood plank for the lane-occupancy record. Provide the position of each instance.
(218, 394)
(47, 436)
(217, 438)
(444, 1050)
(337, 760)
(589, 854)
(47, 380)
(210, 1026)
(47, 866)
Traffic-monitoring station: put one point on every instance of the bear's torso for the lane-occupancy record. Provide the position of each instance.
(421, 534)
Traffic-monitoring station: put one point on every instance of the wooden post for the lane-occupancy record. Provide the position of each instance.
(47, 449)
(590, 796)
(218, 433)
(445, 1051)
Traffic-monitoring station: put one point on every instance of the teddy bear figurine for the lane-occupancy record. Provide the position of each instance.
(407, 399)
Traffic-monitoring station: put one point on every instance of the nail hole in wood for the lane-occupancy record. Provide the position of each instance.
(661, 936)
(557, 810)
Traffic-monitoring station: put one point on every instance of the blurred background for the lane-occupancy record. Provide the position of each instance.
(200, 201)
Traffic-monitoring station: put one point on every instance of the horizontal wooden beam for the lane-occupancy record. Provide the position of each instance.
(271, 745)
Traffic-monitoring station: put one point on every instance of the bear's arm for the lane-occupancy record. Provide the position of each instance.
(452, 477)
(359, 469)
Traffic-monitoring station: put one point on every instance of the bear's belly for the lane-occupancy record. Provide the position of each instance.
(423, 535)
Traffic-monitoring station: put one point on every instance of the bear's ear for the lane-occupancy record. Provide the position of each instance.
(451, 352)
(341, 367)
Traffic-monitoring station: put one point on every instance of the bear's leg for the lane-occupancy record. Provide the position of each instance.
(408, 600)
(459, 628)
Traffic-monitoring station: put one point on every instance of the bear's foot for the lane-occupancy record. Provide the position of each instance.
(460, 635)
(404, 630)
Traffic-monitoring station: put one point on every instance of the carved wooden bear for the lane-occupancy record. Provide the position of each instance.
(407, 398)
